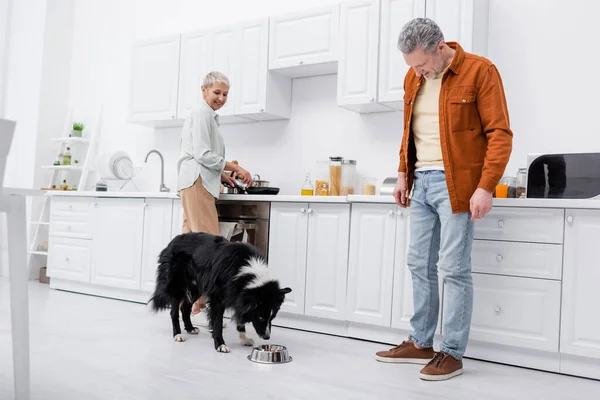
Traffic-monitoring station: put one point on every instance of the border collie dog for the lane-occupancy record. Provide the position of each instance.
(231, 275)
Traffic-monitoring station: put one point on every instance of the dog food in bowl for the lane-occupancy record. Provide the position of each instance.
(270, 354)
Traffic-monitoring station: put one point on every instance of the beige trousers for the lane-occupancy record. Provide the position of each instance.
(199, 215)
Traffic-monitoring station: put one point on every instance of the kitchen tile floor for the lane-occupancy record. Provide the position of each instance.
(85, 347)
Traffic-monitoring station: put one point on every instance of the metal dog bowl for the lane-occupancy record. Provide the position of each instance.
(270, 354)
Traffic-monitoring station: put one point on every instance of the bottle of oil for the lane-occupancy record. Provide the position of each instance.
(307, 189)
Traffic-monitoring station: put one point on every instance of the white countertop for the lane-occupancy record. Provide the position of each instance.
(387, 199)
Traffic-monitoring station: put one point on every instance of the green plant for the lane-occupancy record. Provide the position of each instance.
(78, 126)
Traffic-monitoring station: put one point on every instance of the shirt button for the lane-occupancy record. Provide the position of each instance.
(464, 100)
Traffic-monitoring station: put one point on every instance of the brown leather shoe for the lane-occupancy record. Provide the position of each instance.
(406, 353)
(442, 367)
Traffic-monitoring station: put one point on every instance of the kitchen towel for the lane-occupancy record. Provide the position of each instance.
(228, 229)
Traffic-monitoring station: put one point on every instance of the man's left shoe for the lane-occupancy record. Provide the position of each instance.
(441, 367)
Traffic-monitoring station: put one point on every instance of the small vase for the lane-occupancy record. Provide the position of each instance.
(75, 133)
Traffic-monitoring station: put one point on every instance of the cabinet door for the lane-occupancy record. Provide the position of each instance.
(580, 327)
(251, 87)
(392, 67)
(69, 258)
(177, 220)
(192, 68)
(327, 260)
(154, 79)
(157, 235)
(287, 251)
(371, 264)
(359, 48)
(117, 245)
(304, 38)
(403, 304)
(224, 58)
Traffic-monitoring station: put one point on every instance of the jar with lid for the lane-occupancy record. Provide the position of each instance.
(322, 178)
(335, 176)
(348, 177)
(521, 191)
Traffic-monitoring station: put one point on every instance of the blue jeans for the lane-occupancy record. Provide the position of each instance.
(441, 239)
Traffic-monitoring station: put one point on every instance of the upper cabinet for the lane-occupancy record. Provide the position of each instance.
(154, 80)
(305, 43)
(193, 60)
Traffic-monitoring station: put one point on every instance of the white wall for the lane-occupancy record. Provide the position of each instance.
(547, 69)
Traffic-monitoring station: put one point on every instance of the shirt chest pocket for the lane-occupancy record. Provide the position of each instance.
(463, 112)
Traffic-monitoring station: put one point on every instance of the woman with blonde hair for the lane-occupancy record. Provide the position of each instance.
(202, 163)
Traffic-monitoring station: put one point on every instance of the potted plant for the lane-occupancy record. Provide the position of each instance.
(77, 129)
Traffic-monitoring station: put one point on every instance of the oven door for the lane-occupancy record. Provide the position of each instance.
(254, 232)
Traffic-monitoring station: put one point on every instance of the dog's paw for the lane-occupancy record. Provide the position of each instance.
(179, 338)
(246, 341)
(223, 349)
(194, 331)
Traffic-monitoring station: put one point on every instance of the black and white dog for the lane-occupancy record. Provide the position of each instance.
(231, 275)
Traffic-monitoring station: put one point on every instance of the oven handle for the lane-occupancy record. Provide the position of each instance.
(246, 226)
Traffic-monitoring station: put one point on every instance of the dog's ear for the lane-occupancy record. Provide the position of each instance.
(285, 290)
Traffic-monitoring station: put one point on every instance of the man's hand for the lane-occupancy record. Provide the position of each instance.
(400, 190)
(481, 203)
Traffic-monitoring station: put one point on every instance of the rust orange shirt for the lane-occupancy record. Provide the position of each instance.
(475, 133)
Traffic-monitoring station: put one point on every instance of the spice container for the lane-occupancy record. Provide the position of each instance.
(511, 181)
(521, 191)
(335, 176)
(308, 188)
(369, 186)
(322, 178)
(348, 177)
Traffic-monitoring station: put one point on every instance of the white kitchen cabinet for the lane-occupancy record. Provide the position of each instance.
(193, 65)
(580, 326)
(392, 67)
(308, 250)
(514, 311)
(117, 242)
(157, 235)
(154, 81)
(259, 93)
(358, 56)
(305, 43)
(69, 258)
(371, 264)
(463, 21)
(327, 260)
(288, 235)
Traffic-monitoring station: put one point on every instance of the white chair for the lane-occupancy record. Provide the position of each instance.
(12, 202)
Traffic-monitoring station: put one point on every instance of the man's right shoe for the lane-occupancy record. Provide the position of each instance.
(406, 353)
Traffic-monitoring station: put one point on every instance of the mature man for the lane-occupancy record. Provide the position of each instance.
(455, 147)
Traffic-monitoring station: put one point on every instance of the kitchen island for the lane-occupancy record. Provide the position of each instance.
(535, 267)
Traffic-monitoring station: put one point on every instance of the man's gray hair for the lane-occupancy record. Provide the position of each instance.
(215, 77)
(419, 33)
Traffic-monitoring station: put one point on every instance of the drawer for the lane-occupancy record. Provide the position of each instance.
(71, 227)
(520, 312)
(533, 260)
(71, 205)
(541, 225)
(70, 259)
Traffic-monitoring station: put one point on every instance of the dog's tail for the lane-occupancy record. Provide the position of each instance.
(170, 283)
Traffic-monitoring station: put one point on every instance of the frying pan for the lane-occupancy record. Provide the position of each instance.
(255, 189)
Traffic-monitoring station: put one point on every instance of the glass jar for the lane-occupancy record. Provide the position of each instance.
(322, 178)
(521, 191)
(511, 181)
(335, 176)
(369, 186)
(308, 188)
(348, 177)
(67, 156)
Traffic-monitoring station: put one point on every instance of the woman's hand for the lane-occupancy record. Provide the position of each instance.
(227, 180)
(245, 175)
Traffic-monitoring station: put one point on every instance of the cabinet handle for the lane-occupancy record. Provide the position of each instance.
(95, 204)
(172, 117)
(301, 62)
(67, 259)
(70, 206)
(499, 257)
(391, 212)
(69, 227)
(497, 309)
(302, 210)
(570, 219)
(500, 223)
(310, 210)
(262, 110)
(145, 205)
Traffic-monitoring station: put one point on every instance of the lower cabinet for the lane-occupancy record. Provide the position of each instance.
(308, 251)
(158, 214)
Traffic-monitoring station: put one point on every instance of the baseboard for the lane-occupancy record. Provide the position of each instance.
(520, 357)
(3, 261)
(580, 366)
(136, 296)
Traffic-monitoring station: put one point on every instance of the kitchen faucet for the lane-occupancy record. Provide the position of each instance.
(163, 188)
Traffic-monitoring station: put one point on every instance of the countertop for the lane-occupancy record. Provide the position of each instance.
(387, 199)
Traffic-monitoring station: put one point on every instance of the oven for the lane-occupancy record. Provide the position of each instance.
(245, 221)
